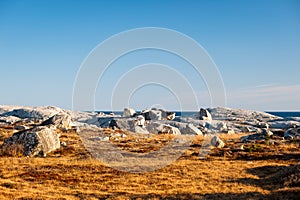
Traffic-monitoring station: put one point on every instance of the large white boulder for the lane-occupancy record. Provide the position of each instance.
(128, 112)
(43, 112)
(190, 129)
(60, 121)
(9, 119)
(157, 127)
(38, 141)
(140, 120)
(284, 124)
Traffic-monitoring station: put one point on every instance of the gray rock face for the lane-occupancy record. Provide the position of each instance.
(217, 142)
(284, 124)
(59, 121)
(128, 112)
(36, 112)
(155, 115)
(204, 115)
(266, 132)
(292, 133)
(140, 120)
(123, 123)
(190, 129)
(253, 137)
(9, 119)
(157, 127)
(166, 115)
(158, 114)
(38, 141)
(140, 129)
(230, 114)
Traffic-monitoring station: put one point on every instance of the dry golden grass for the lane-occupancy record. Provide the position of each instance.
(72, 173)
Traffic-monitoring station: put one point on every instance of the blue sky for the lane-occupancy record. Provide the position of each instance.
(255, 45)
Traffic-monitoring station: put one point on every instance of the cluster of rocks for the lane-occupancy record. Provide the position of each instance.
(35, 127)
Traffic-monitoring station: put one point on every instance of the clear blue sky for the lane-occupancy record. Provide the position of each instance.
(255, 44)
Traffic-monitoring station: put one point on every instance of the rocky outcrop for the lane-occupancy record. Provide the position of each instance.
(140, 121)
(259, 125)
(204, 115)
(43, 112)
(292, 133)
(157, 127)
(217, 142)
(9, 119)
(158, 114)
(61, 121)
(128, 112)
(38, 141)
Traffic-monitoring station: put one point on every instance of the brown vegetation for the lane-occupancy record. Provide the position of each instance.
(261, 170)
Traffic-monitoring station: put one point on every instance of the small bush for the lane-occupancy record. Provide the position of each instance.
(254, 148)
(14, 150)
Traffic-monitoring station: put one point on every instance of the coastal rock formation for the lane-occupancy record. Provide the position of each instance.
(128, 112)
(157, 127)
(38, 141)
(157, 114)
(292, 133)
(59, 121)
(43, 112)
(190, 129)
(34, 127)
(140, 120)
(204, 115)
(9, 119)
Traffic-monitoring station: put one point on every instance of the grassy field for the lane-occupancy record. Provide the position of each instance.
(251, 171)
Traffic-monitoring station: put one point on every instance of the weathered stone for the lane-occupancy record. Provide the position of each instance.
(204, 115)
(263, 125)
(217, 142)
(190, 129)
(166, 115)
(292, 133)
(128, 112)
(34, 112)
(139, 129)
(140, 120)
(158, 114)
(20, 128)
(253, 137)
(184, 128)
(230, 114)
(156, 127)
(284, 124)
(9, 119)
(266, 132)
(38, 141)
(155, 115)
(59, 121)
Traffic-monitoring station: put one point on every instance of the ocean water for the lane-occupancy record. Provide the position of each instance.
(284, 114)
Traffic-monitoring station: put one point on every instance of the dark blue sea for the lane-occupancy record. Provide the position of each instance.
(284, 114)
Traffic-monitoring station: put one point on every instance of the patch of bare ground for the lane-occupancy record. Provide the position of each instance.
(262, 170)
